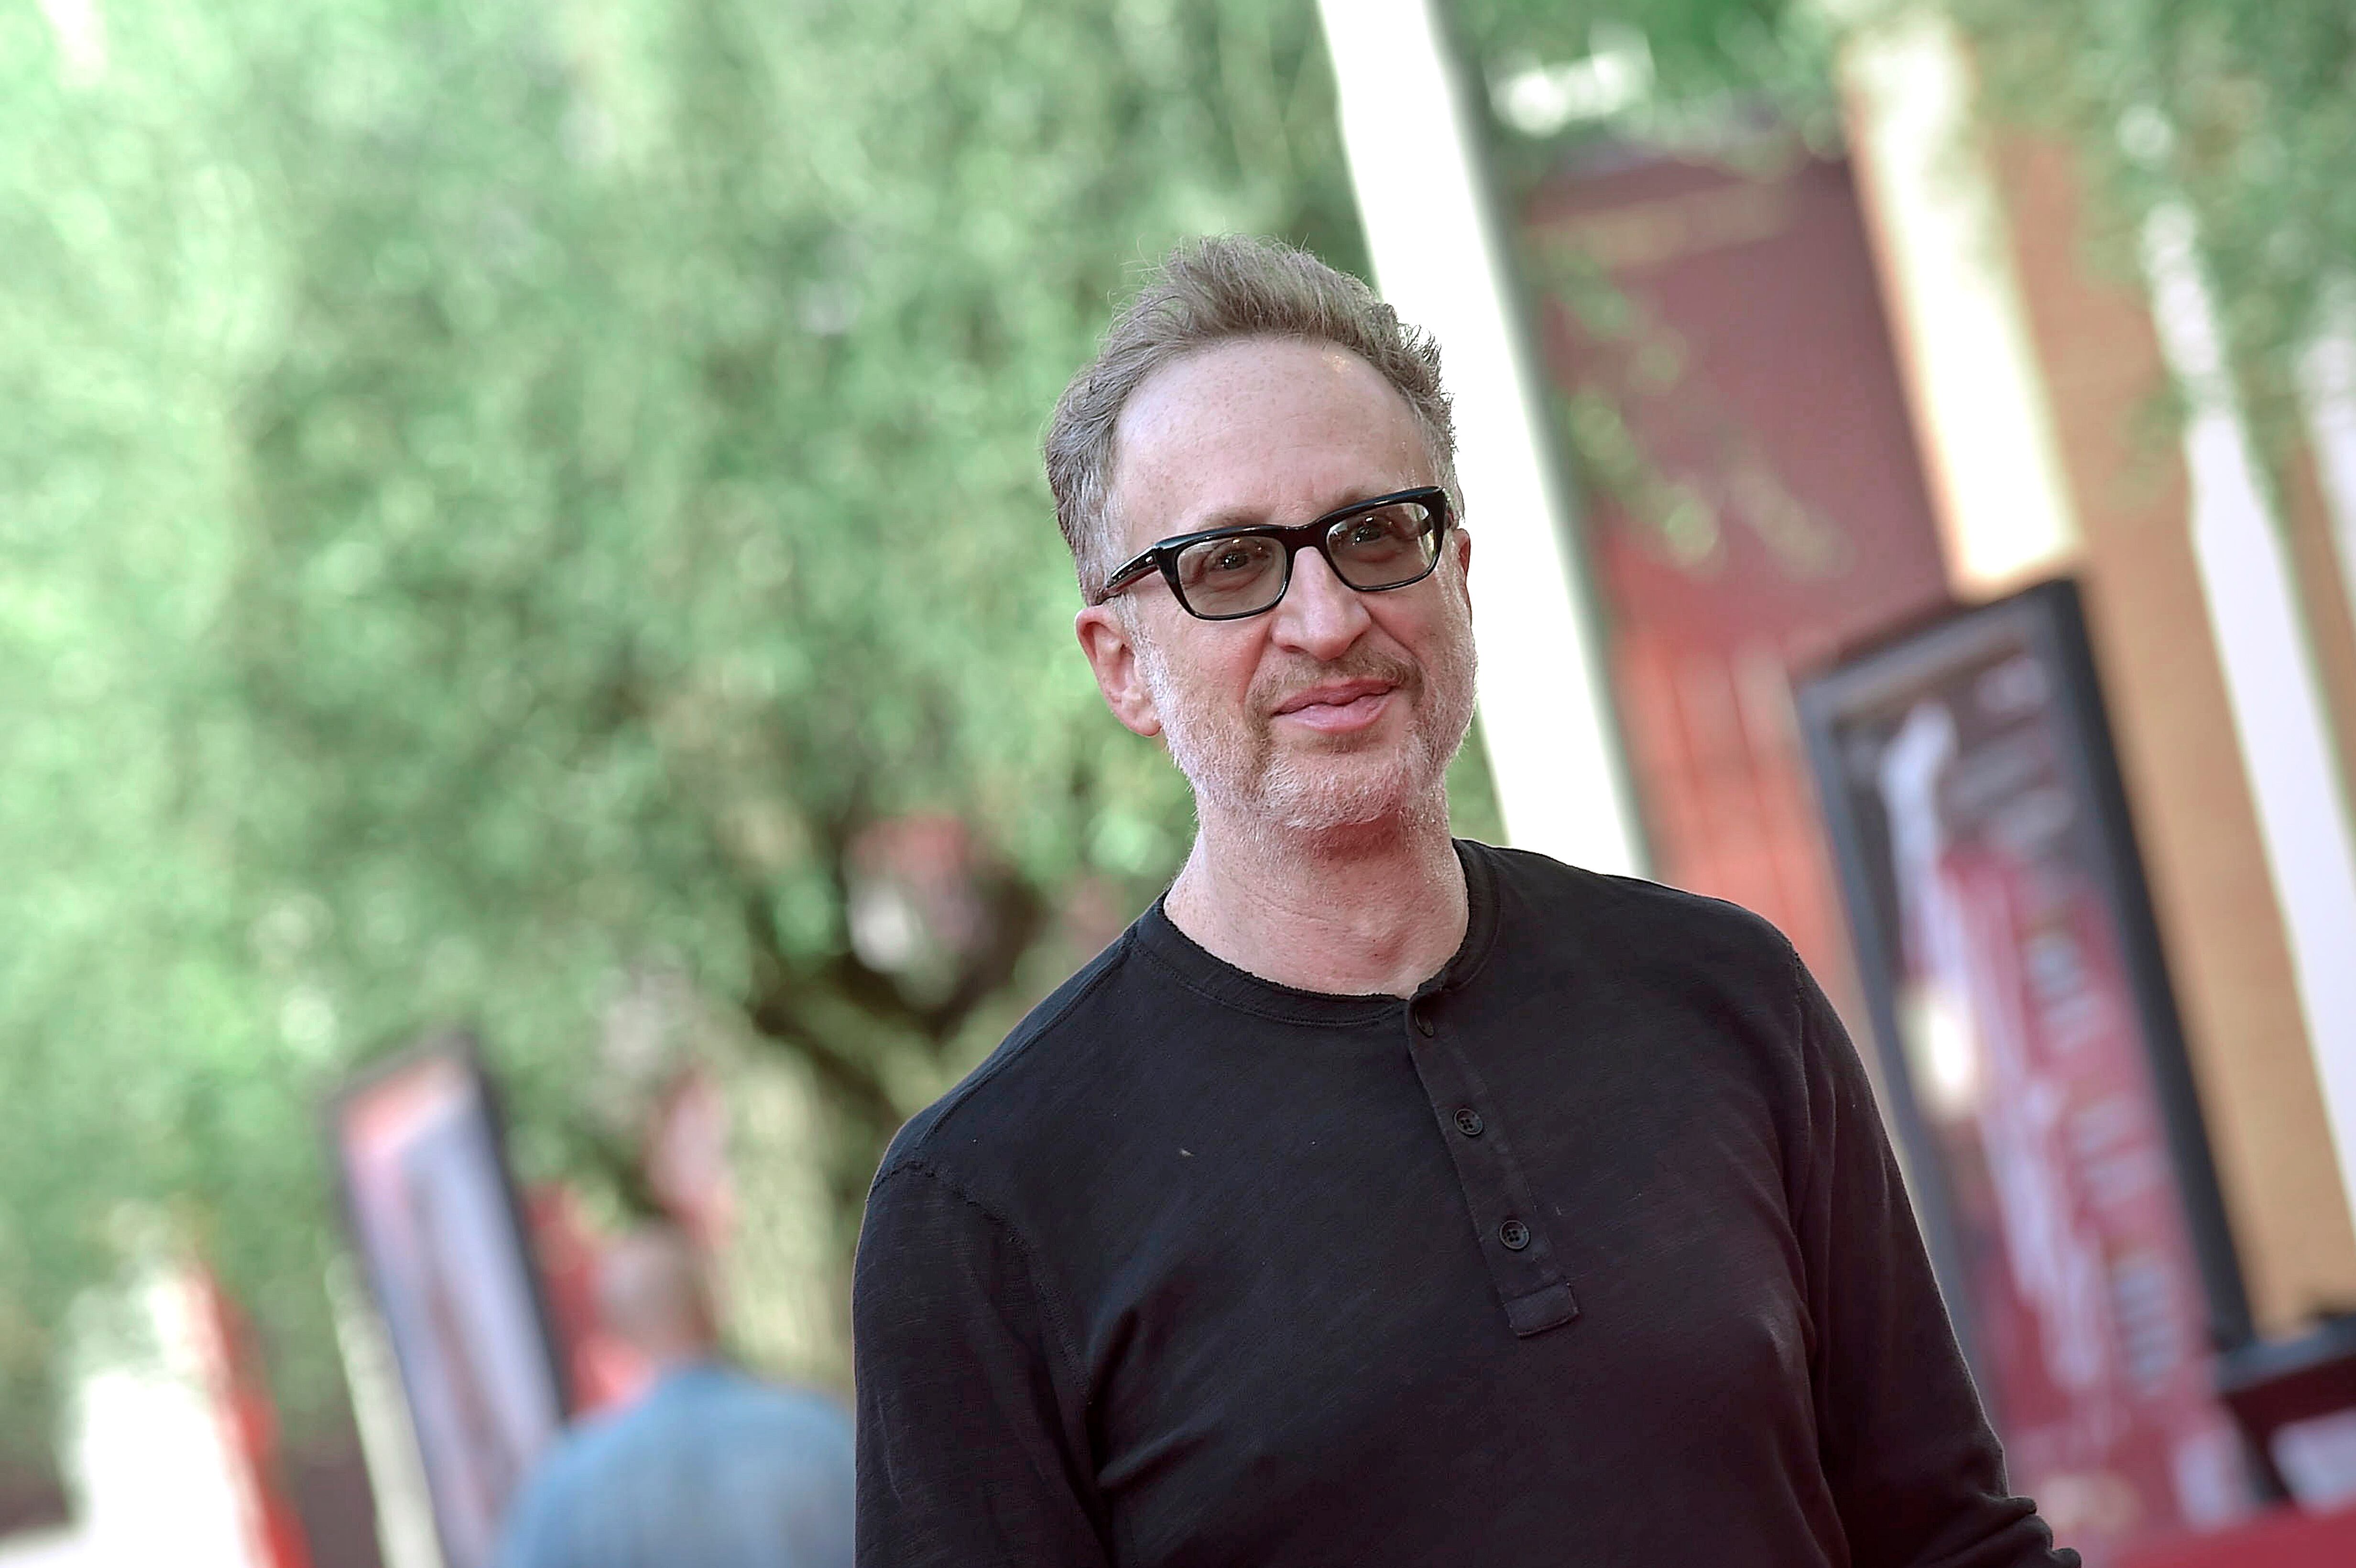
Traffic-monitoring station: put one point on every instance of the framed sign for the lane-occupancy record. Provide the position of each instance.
(432, 1214)
(2033, 1067)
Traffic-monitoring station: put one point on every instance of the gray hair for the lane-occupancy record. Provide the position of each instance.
(1212, 290)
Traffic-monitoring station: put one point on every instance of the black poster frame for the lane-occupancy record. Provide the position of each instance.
(462, 1049)
(2046, 620)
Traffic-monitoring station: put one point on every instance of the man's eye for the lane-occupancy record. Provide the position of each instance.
(1243, 559)
(1376, 530)
(1241, 555)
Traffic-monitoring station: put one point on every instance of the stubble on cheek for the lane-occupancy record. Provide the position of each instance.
(1232, 758)
(1223, 753)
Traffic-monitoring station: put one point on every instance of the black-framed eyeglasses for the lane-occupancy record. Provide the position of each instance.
(1226, 574)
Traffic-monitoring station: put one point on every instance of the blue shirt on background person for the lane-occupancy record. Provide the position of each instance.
(709, 1469)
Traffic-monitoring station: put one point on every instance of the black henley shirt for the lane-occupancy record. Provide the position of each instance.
(1591, 1252)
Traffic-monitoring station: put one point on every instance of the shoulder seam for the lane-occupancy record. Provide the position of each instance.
(956, 1098)
(1058, 1325)
(1798, 971)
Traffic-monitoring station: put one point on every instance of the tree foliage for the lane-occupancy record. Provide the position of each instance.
(2244, 114)
(506, 497)
(1715, 72)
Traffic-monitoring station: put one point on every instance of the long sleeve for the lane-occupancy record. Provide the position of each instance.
(1915, 1471)
(971, 1437)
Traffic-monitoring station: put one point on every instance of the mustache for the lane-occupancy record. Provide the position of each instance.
(1278, 686)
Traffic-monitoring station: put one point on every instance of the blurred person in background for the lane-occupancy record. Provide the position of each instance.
(709, 1469)
(1377, 1197)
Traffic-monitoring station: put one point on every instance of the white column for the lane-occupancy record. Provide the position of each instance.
(1412, 142)
(1976, 391)
(405, 1534)
(2270, 679)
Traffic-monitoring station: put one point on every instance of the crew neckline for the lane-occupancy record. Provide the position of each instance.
(1207, 973)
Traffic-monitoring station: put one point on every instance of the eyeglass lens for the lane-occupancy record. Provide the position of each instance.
(1388, 546)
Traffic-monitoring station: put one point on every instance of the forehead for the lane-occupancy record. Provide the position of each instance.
(1268, 429)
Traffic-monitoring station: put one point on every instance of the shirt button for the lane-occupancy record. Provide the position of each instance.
(1423, 1024)
(1468, 1121)
(1515, 1234)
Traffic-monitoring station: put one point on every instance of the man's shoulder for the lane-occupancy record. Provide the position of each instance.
(1709, 985)
(1026, 1085)
(1638, 924)
(723, 1393)
(577, 1468)
(687, 1409)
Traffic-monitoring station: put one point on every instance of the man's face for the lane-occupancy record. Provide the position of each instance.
(1336, 709)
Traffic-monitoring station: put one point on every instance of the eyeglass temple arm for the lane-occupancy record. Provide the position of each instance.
(1124, 575)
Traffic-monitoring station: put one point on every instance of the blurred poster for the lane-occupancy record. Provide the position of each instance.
(434, 1220)
(2031, 1053)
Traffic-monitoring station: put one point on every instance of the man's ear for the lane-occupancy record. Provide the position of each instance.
(1112, 654)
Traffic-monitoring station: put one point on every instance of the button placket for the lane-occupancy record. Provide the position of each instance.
(1522, 1265)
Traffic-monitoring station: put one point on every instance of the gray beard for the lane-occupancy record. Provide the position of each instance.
(1232, 765)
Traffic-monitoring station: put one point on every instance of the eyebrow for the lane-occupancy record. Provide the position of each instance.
(1227, 517)
(1257, 517)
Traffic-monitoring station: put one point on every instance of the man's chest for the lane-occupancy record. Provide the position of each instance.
(1307, 1335)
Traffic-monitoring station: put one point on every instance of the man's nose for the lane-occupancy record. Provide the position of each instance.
(1321, 614)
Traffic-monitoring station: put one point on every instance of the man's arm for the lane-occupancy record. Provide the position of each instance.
(1915, 1471)
(972, 1442)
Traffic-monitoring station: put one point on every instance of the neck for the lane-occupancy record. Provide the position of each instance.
(1363, 912)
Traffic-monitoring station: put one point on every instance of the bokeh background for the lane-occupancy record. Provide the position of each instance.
(525, 514)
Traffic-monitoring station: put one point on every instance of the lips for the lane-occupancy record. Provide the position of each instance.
(1338, 708)
(1339, 694)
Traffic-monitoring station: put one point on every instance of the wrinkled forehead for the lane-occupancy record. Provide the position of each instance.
(1260, 430)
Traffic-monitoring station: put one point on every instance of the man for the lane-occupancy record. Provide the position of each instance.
(1377, 1199)
(708, 1469)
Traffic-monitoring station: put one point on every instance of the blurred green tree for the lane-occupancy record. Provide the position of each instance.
(506, 497)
